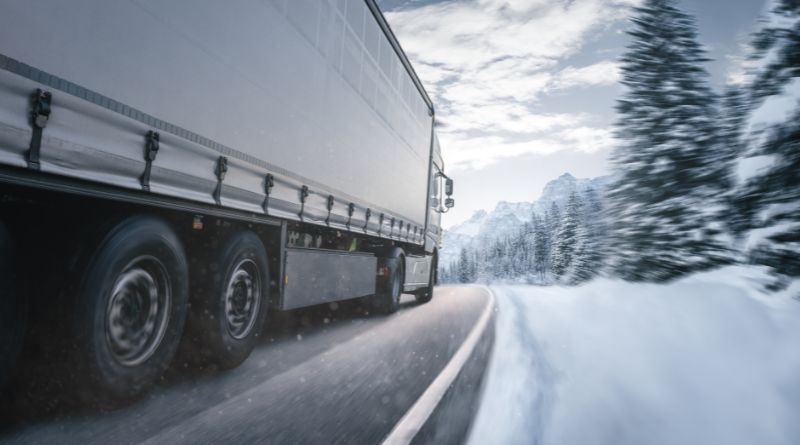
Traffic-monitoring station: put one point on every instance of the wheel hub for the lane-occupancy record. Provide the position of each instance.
(242, 299)
(138, 311)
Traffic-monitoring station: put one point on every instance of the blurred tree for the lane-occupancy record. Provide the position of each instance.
(767, 206)
(664, 200)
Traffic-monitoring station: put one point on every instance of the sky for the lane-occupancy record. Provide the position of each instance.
(524, 90)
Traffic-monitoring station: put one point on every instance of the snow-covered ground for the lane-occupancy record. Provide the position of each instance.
(706, 360)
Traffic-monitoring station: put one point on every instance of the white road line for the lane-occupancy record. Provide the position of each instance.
(408, 427)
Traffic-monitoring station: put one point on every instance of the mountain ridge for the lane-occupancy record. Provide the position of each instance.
(508, 217)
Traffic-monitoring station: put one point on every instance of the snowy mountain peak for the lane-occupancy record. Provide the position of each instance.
(508, 217)
(472, 226)
(477, 216)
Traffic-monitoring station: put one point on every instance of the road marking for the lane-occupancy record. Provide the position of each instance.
(408, 427)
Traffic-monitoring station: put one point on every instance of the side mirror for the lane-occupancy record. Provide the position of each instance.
(448, 187)
(449, 203)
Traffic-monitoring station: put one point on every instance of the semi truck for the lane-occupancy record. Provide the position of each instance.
(172, 172)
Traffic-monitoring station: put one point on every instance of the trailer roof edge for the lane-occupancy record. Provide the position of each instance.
(387, 30)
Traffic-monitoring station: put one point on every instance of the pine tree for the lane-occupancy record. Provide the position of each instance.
(541, 240)
(553, 223)
(477, 267)
(569, 240)
(732, 122)
(590, 258)
(666, 174)
(464, 268)
(768, 204)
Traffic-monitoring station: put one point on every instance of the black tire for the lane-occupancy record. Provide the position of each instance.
(130, 310)
(13, 310)
(425, 294)
(387, 299)
(230, 304)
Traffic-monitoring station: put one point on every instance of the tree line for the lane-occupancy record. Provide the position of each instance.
(562, 246)
(700, 178)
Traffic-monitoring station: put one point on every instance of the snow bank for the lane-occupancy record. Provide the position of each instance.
(706, 360)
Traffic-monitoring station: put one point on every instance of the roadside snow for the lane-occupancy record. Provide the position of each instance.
(705, 360)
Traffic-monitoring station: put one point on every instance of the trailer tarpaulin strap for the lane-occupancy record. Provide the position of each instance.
(351, 208)
(380, 223)
(269, 182)
(367, 215)
(150, 152)
(40, 114)
(330, 207)
(303, 196)
(222, 168)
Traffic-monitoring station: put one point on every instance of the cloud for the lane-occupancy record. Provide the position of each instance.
(558, 132)
(488, 63)
(602, 73)
(588, 139)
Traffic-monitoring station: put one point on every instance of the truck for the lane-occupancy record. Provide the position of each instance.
(172, 172)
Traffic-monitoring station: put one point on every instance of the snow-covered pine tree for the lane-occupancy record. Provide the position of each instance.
(552, 221)
(570, 239)
(464, 268)
(477, 268)
(541, 240)
(733, 118)
(523, 246)
(553, 217)
(667, 178)
(768, 204)
(590, 258)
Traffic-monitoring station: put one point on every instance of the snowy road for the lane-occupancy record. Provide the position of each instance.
(705, 360)
(347, 379)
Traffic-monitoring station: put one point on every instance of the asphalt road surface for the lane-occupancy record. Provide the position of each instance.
(332, 374)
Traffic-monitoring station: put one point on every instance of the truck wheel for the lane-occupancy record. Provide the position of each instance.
(130, 309)
(425, 294)
(387, 299)
(226, 322)
(13, 313)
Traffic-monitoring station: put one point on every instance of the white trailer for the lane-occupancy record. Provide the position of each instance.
(228, 157)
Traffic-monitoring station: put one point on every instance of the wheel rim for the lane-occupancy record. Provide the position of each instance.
(242, 299)
(138, 311)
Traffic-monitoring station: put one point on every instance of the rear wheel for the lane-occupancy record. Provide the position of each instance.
(231, 303)
(387, 299)
(130, 308)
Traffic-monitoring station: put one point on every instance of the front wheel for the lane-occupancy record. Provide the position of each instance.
(130, 309)
(425, 294)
